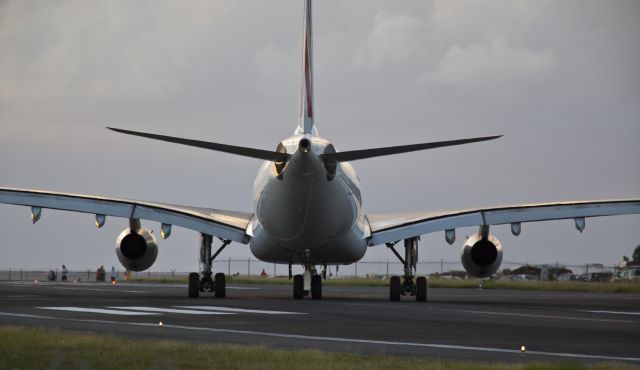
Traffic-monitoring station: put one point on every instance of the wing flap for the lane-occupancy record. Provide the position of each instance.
(392, 227)
(224, 224)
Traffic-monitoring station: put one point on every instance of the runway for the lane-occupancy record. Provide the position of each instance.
(457, 324)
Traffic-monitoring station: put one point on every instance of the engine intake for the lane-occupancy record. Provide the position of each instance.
(481, 256)
(137, 251)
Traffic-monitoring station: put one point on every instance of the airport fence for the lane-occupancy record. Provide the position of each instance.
(253, 267)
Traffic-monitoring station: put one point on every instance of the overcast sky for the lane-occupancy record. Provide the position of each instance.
(560, 79)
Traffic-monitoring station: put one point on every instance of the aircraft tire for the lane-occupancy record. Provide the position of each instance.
(421, 289)
(316, 287)
(194, 282)
(298, 287)
(220, 286)
(394, 288)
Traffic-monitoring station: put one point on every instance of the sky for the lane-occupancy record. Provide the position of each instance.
(559, 79)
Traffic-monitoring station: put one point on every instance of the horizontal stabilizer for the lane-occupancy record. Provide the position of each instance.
(238, 150)
(353, 155)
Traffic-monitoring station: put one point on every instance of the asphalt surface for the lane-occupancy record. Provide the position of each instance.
(457, 324)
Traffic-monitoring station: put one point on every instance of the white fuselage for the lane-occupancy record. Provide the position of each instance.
(304, 215)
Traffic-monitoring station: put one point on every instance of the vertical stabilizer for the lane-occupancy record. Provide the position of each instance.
(306, 86)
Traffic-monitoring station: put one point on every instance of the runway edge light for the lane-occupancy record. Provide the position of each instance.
(522, 349)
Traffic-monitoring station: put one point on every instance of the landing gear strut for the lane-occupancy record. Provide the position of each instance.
(308, 283)
(205, 281)
(407, 286)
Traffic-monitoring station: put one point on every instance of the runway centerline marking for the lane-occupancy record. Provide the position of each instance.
(242, 310)
(97, 290)
(612, 312)
(98, 310)
(170, 310)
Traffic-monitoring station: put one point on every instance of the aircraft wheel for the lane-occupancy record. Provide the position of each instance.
(394, 288)
(316, 287)
(421, 289)
(194, 285)
(298, 287)
(220, 286)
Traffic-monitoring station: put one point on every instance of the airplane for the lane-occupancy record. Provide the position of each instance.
(307, 211)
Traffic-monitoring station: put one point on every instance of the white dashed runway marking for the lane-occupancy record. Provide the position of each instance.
(181, 310)
(98, 310)
(241, 310)
(170, 310)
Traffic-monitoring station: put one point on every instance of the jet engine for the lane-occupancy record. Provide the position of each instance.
(137, 251)
(481, 255)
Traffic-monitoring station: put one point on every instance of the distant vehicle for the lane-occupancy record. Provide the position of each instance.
(602, 277)
(630, 273)
(524, 277)
(565, 277)
(578, 277)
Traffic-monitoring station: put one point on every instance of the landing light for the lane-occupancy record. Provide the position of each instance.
(160, 324)
(113, 282)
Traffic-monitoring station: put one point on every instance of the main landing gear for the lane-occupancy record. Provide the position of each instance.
(407, 286)
(205, 281)
(308, 283)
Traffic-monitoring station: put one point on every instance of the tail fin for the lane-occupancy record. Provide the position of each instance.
(306, 86)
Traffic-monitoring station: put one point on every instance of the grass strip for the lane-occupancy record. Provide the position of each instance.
(38, 348)
(557, 286)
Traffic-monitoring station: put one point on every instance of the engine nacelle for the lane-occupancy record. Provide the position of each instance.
(481, 257)
(137, 251)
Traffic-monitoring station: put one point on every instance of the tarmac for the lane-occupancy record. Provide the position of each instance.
(455, 324)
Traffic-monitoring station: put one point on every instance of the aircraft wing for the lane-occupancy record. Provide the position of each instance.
(393, 227)
(223, 224)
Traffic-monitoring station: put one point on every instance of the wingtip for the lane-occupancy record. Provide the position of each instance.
(115, 129)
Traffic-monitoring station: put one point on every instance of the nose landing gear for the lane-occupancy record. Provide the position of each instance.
(205, 280)
(407, 286)
(309, 282)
